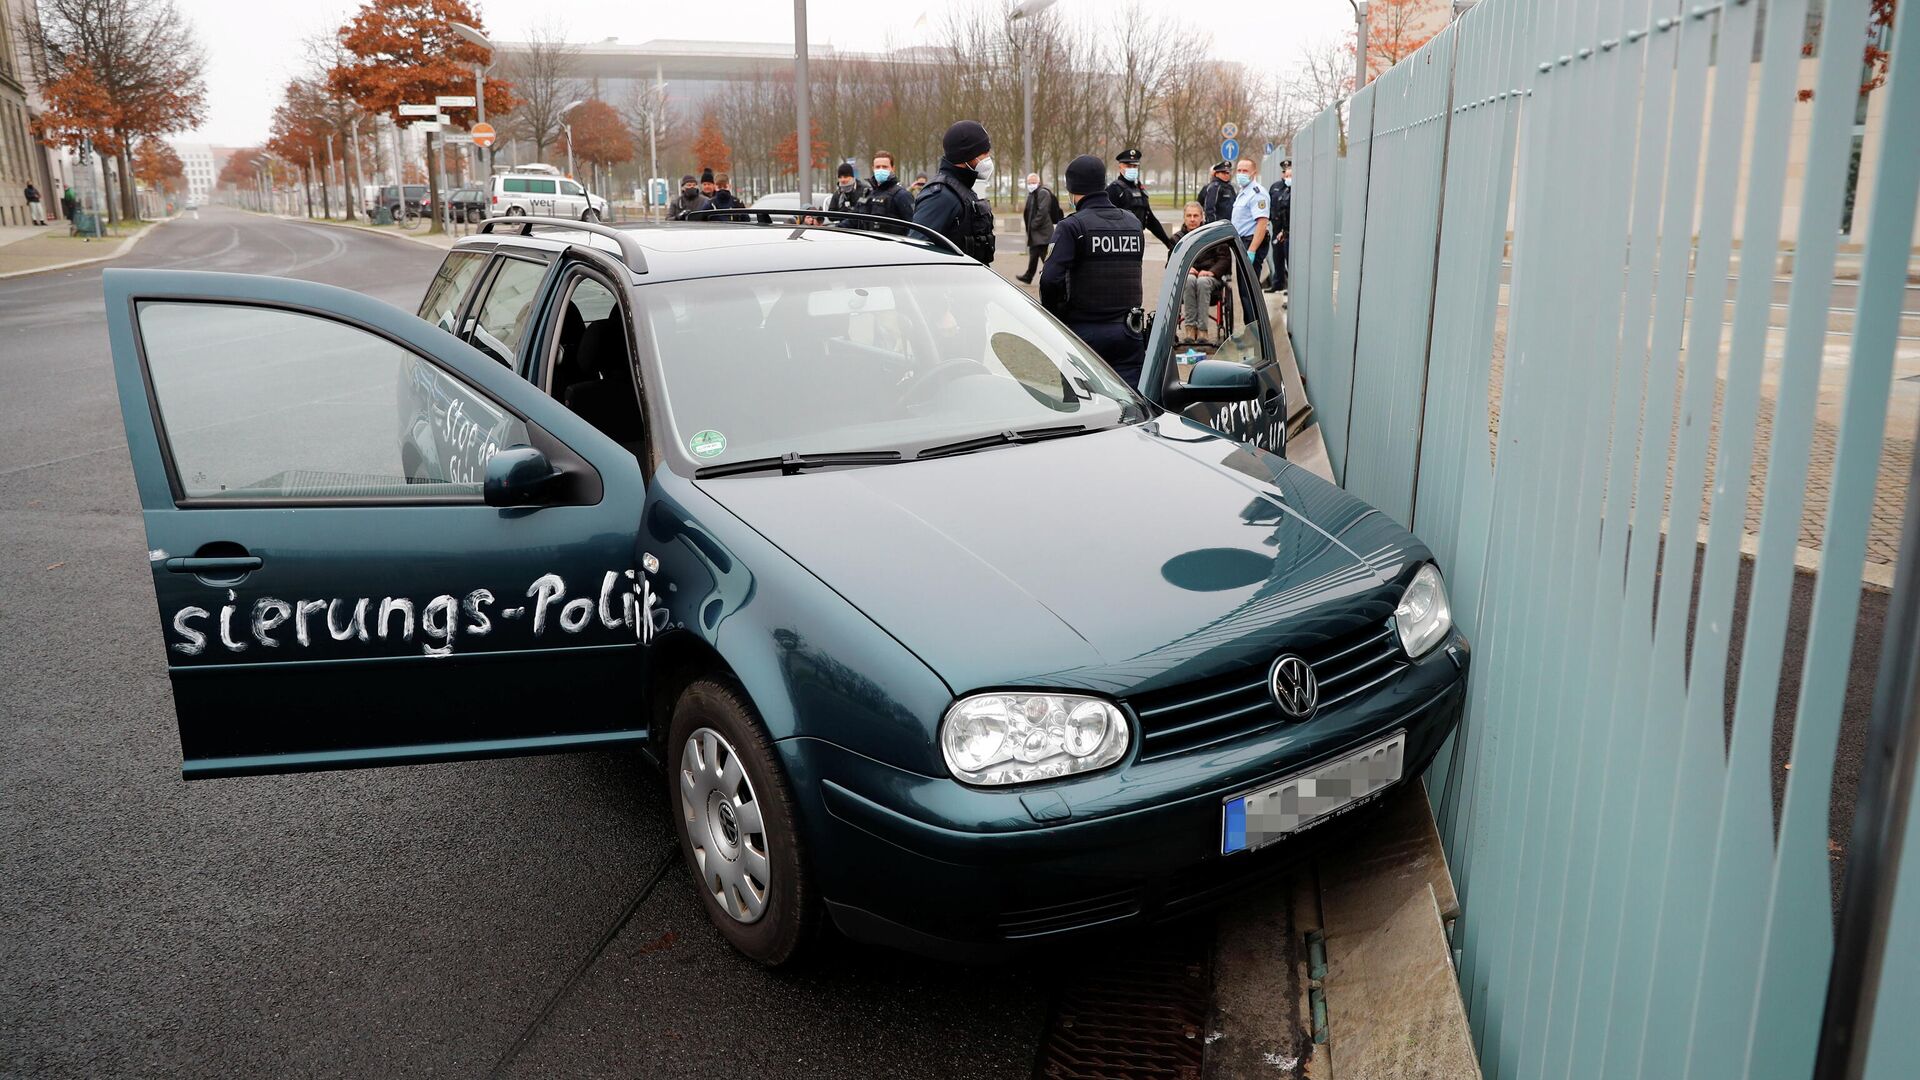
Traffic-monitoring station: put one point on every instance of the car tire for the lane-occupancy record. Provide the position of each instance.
(590, 216)
(722, 780)
(514, 211)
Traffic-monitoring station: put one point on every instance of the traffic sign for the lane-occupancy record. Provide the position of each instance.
(1229, 130)
(1271, 147)
(483, 135)
(1230, 150)
(427, 125)
(454, 101)
(419, 110)
(456, 138)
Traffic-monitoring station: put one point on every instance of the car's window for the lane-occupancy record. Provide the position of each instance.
(568, 187)
(262, 403)
(590, 368)
(504, 314)
(1216, 313)
(540, 187)
(514, 184)
(415, 191)
(901, 358)
(441, 306)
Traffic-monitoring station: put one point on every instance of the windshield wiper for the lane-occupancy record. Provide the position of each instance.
(788, 464)
(999, 438)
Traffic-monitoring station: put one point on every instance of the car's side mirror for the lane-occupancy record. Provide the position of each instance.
(1215, 380)
(519, 476)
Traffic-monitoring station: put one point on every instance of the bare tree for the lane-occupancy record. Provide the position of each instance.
(544, 75)
(1325, 78)
(1143, 61)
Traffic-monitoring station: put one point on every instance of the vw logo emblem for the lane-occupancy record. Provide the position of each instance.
(1294, 688)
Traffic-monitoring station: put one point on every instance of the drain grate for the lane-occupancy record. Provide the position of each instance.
(1138, 1017)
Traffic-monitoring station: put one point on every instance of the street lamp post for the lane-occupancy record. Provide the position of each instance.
(482, 156)
(568, 124)
(802, 89)
(1026, 9)
(1359, 43)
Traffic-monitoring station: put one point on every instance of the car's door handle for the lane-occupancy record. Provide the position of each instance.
(225, 564)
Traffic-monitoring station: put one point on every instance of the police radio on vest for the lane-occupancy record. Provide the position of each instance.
(1114, 245)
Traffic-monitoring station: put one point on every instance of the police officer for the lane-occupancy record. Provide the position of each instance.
(948, 204)
(1216, 199)
(886, 196)
(1280, 213)
(1250, 213)
(1127, 194)
(1092, 279)
(848, 192)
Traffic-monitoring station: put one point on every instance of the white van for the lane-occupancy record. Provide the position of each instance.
(540, 190)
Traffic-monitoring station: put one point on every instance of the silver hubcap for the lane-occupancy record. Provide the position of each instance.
(724, 827)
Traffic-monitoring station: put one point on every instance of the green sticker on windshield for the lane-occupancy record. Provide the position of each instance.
(708, 443)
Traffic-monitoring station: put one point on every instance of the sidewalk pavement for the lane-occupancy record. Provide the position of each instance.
(34, 249)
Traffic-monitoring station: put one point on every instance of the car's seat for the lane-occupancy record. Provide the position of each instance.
(603, 393)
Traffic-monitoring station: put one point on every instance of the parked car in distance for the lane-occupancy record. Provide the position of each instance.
(938, 630)
(541, 191)
(413, 198)
(786, 200)
(468, 205)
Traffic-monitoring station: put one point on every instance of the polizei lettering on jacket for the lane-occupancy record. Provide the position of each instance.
(1110, 244)
(623, 600)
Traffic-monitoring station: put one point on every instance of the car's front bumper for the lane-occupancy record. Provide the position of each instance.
(933, 866)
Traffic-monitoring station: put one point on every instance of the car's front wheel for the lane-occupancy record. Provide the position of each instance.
(737, 824)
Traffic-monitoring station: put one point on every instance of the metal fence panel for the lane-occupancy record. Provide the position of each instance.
(1627, 907)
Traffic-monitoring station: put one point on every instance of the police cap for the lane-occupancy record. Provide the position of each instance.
(1129, 156)
(1222, 166)
(1086, 174)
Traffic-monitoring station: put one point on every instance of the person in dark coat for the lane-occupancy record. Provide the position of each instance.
(1092, 279)
(948, 204)
(690, 199)
(34, 209)
(1216, 199)
(723, 197)
(886, 196)
(848, 191)
(1128, 194)
(1280, 201)
(1042, 213)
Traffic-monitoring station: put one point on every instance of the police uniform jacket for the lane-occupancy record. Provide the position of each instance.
(1280, 207)
(1216, 200)
(890, 199)
(939, 206)
(847, 200)
(1248, 209)
(1134, 198)
(1093, 272)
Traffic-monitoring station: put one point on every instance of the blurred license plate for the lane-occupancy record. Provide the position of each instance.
(1261, 817)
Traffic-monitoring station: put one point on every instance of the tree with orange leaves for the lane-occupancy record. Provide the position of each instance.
(405, 52)
(114, 71)
(156, 165)
(299, 134)
(600, 137)
(710, 149)
(786, 153)
(1396, 29)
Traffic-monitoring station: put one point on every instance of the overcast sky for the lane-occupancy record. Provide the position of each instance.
(253, 48)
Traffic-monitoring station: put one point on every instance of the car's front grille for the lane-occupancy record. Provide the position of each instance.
(1198, 715)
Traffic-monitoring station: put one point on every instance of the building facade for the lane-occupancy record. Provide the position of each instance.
(22, 160)
(199, 163)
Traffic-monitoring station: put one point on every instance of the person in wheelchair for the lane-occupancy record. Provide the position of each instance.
(1206, 280)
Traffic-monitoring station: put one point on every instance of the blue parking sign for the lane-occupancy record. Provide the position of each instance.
(1230, 150)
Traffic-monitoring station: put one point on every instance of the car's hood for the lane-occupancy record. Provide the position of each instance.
(1119, 559)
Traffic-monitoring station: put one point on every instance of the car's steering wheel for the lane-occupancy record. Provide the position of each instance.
(921, 388)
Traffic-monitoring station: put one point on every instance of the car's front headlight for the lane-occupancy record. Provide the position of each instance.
(1017, 738)
(1423, 617)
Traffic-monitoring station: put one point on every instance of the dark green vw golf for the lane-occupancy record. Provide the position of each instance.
(939, 631)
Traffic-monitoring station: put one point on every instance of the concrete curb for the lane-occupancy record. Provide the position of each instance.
(125, 248)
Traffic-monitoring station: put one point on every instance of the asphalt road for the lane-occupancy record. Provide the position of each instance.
(522, 917)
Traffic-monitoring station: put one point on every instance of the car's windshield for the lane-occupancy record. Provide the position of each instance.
(899, 358)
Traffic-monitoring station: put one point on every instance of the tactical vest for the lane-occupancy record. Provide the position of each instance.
(1107, 249)
(975, 227)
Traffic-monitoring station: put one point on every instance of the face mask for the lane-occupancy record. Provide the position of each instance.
(1289, 181)
(984, 170)
(1034, 186)
(688, 193)
(1132, 174)
(1242, 179)
(881, 176)
(846, 185)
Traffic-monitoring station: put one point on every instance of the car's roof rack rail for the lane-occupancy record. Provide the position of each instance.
(630, 251)
(764, 215)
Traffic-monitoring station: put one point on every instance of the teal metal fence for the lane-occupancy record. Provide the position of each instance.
(1534, 299)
